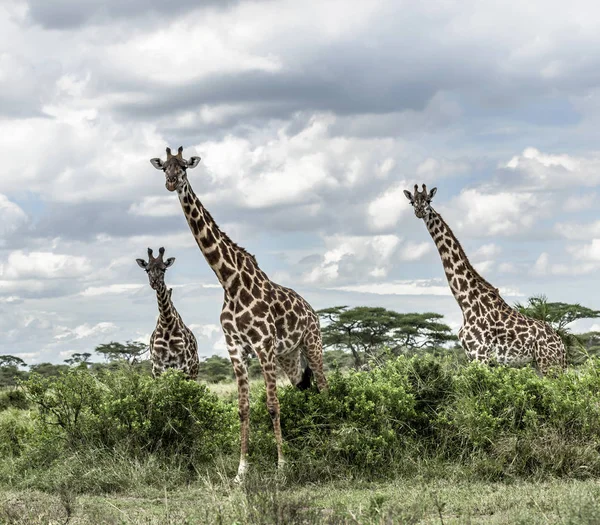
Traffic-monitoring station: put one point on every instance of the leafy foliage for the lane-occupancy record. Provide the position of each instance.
(130, 351)
(79, 359)
(412, 415)
(124, 408)
(365, 331)
(9, 370)
(215, 369)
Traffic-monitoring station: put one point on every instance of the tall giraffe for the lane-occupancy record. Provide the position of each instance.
(172, 344)
(491, 329)
(258, 315)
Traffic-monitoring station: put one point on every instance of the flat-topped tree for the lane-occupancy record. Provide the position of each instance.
(258, 315)
(172, 344)
(491, 330)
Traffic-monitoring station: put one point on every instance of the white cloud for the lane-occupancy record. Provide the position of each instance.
(11, 216)
(111, 289)
(544, 267)
(581, 202)
(475, 212)
(575, 231)
(385, 211)
(549, 171)
(43, 265)
(347, 256)
(418, 287)
(154, 206)
(436, 168)
(84, 331)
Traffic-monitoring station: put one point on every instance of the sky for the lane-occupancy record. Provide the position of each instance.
(311, 118)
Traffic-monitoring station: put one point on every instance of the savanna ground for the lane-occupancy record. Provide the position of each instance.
(421, 440)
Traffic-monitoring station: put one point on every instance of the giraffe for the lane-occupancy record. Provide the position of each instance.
(491, 330)
(258, 315)
(172, 344)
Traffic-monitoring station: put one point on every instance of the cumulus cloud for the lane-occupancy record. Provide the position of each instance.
(478, 213)
(43, 265)
(84, 331)
(544, 171)
(11, 216)
(355, 258)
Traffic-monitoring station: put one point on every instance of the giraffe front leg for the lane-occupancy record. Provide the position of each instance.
(243, 386)
(473, 345)
(266, 356)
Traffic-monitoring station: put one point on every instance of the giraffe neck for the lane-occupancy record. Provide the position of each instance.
(166, 311)
(224, 256)
(462, 277)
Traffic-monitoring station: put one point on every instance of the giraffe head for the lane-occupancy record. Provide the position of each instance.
(156, 267)
(421, 200)
(175, 168)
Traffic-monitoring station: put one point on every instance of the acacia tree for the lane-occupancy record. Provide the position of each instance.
(78, 359)
(131, 351)
(9, 370)
(365, 330)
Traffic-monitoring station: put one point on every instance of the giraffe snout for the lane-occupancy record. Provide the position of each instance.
(171, 183)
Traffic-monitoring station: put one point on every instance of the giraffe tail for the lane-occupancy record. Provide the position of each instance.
(305, 382)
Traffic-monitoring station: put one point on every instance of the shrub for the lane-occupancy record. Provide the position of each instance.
(357, 425)
(126, 409)
(16, 429)
(14, 398)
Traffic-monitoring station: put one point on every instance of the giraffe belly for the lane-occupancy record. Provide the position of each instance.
(511, 356)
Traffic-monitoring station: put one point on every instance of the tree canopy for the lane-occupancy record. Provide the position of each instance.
(130, 351)
(364, 330)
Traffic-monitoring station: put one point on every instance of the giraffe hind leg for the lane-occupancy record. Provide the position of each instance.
(313, 351)
(306, 379)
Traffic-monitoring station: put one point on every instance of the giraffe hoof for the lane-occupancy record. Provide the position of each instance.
(241, 473)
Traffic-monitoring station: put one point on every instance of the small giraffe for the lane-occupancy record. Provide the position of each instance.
(172, 344)
(258, 315)
(491, 330)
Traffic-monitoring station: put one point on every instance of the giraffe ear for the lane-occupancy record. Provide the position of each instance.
(408, 195)
(169, 261)
(432, 193)
(193, 162)
(141, 263)
(157, 163)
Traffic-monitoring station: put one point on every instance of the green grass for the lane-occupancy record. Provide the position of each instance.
(227, 390)
(260, 502)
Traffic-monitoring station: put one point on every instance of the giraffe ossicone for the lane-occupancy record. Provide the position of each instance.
(492, 330)
(258, 315)
(172, 343)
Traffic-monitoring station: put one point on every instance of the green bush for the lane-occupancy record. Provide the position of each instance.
(132, 411)
(421, 415)
(357, 425)
(15, 398)
(16, 430)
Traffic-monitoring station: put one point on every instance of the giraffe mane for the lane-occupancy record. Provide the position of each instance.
(468, 262)
(227, 239)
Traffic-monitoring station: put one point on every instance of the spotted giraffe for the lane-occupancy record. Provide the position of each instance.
(491, 330)
(172, 344)
(258, 315)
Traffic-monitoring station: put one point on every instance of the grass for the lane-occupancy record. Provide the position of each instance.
(260, 502)
(228, 390)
